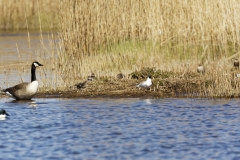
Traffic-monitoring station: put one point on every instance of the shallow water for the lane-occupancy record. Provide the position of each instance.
(121, 129)
(18, 51)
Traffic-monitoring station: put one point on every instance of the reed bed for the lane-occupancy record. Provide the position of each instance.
(186, 27)
(106, 38)
(28, 14)
(180, 30)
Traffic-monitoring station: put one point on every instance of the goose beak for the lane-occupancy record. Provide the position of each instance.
(40, 64)
(7, 114)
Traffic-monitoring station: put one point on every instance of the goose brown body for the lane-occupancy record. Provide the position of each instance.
(25, 91)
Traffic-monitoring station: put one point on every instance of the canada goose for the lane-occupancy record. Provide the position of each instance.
(3, 113)
(25, 91)
(200, 69)
(145, 84)
(236, 63)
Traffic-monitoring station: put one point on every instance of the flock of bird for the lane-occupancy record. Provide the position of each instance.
(27, 90)
(200, 68)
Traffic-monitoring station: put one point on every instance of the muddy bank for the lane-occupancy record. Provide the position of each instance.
(126, 88)
(103, 88)
(165, 85)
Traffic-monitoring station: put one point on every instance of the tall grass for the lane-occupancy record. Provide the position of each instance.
(87, 25)
(108, 37)
(160, 30)
(28, 14)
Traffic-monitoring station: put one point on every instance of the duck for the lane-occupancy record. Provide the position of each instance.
(146, 84)
(200, 69)
(3, 113)
(26, 90)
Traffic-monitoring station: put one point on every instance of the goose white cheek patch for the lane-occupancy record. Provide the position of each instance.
(35, 64)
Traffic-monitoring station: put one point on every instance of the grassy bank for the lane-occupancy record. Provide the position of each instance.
(106, 38)
(129, 35)
(28, 14)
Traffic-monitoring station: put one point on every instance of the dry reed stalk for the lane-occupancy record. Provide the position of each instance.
(15, 13)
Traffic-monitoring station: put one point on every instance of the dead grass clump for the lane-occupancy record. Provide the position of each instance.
(145, 72)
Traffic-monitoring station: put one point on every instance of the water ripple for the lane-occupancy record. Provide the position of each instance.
(121, 129)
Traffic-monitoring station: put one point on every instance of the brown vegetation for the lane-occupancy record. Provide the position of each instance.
(171, 36)
(165, 84)
(28, 14)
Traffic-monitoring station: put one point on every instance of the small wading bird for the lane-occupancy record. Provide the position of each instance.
(81, 85)
(25, 91)
(236, 63)
(84, 84)
(200, 69)
(3, 113)
(145, 84)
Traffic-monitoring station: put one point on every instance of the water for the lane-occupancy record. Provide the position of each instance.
(121, 129)
(19, 47)
(18, 51)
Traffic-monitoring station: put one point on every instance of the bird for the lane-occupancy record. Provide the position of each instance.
(236, 63)
(200, 69)
(26, 90)
(81, 85)
(146, 84)
(3, 113)
(119, 76)
(84, 84)
(92, 77)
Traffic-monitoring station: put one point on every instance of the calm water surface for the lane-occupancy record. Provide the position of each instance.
(121, 129)
(18, 51)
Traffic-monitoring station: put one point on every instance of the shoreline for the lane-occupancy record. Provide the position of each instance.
(189, 86)
(124, 94)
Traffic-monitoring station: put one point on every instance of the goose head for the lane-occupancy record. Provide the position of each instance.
(3, 112)
(36, 64)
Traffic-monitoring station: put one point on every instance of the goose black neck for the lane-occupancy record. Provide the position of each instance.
(33, 74)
